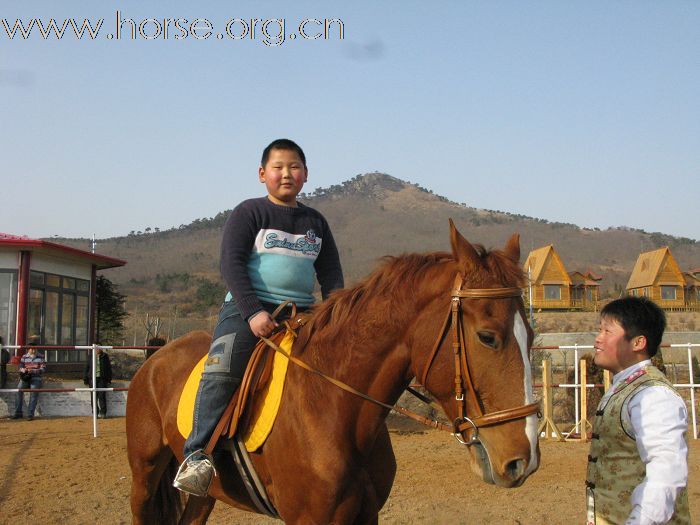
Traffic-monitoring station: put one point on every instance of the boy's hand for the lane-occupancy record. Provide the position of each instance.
(262, 324)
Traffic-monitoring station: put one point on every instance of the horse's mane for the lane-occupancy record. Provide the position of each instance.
(404, 272)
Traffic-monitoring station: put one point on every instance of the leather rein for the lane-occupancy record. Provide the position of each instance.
(462, 423)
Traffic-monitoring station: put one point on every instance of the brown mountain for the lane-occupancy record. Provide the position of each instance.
(371, 215)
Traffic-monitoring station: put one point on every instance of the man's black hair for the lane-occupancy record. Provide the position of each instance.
(284, 144)
(638, 316)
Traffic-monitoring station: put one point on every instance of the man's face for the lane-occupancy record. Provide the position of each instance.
(612, 349)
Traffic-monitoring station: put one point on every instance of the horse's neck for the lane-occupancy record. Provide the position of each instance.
(373, 356)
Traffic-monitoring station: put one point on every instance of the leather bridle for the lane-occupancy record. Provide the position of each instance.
(462, 423)
(463, 378)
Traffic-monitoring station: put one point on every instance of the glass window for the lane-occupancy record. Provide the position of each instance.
(67, 319)
(552, 292)
(82, 320)
(668, 293)
(51, 319)
(35, 317)
(36, 278)
(8, 306)
(60, 312)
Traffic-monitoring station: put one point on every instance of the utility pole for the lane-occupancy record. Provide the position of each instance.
(529, 283)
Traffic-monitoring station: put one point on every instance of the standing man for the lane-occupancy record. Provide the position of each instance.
(4, 359)
(103, 377)
(638, 465)
(31, 369)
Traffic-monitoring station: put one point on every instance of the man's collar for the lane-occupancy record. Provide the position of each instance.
(621, 376)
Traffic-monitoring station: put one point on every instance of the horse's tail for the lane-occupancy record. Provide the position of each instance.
(168, 502)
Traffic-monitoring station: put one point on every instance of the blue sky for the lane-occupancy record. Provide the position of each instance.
(583, 112)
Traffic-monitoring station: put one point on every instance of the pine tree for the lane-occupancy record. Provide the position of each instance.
(110, 312)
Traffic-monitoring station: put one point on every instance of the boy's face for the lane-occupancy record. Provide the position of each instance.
(612, 349)
(284, 176)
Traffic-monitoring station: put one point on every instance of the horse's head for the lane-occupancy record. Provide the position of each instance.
(479, 370)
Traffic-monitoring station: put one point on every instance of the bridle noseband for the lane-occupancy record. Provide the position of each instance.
(463, 378)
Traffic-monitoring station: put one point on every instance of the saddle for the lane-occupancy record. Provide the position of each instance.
(238, 413)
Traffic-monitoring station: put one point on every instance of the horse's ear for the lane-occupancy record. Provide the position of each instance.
(464, 253)
(513, 248)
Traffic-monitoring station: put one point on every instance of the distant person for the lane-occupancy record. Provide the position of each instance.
(4, 359)
(638, 465)
(31, 370)
(103, 377)
(154, 341)
(273, 249)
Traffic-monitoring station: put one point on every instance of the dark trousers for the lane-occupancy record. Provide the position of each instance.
(34, 382)
(101, 397)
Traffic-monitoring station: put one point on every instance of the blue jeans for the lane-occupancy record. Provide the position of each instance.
(34, 382)
(232, 345)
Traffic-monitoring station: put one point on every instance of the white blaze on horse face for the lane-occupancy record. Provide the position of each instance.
(520, 333)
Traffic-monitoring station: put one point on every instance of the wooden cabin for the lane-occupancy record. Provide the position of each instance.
(692, 290)
(585, 290)
(549, 280)
(656, 275)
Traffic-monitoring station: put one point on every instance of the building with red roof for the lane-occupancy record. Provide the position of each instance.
(48, 289)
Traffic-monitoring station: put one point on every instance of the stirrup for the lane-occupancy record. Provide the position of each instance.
(195, 476)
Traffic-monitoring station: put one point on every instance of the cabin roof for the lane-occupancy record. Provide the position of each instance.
(647, 267)
(691, 279)
(537, 263)
(578, 278)
(22, 242)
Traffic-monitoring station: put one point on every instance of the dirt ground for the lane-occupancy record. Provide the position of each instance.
(52, 471)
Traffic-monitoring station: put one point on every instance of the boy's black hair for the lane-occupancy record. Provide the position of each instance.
(638, 316)
(282, 144)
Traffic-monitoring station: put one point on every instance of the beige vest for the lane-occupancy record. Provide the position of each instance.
(614, 465)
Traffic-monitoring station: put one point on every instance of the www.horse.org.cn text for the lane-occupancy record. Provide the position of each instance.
(271, 32)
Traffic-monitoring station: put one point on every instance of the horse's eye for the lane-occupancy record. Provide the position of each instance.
(488, 339)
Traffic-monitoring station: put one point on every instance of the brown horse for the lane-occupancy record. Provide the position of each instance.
(328, 458)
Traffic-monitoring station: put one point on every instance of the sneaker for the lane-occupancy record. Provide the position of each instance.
(195, 475)
(16, 416)
(30, 418)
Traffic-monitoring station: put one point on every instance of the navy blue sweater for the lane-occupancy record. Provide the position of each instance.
(272, 253)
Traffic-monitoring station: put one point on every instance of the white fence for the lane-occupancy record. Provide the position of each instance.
(92, 349)
(577, 350)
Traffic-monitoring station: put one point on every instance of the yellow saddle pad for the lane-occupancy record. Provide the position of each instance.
(265, 407)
